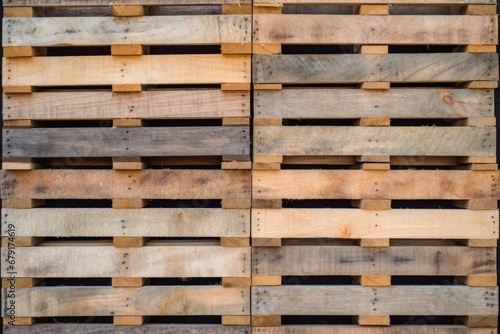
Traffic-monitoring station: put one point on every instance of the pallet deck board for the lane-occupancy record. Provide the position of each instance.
(355, 300)
(354, 329)
(338, 68)
(358, 184)
(149, 30)
(401, 29)
(62, 3)
(401, 141)
(105, 142)
(108, 184)
(358, 224)
(108, 70)
(361, 2)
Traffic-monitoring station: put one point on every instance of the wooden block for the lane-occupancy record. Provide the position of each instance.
(18, 12)
(267, 203)
(236, 282)
(128, 10)
(376, 85)
(266, 280)
(236, 48)
(128, 165)
(268, 122)
(478, 280)
(476, 122)
(478, 321)
(128, 281)
(266, 49)
(268, 86)
(372, 165)
(228, 121)
(125, 88)
(127, 122)
(236, 165)
(479, 85)
(129, 203)
(484, 167)
(373, 320)
(21, 203)
(18, 89)
(373, 49)
(20, 241)
(236, 9)
(266, 242)
(368, 159)
(373, 121)
(472, 48)
(374, 280)
(491, 243)
(266, 320)
(128, 320)
(236, 203)
(268, 158)
(480, 10)
(19, 123)
(21, 282)
(19, 321)
(370, 204)
(375, 243)
(267, 166)
(477, 204)
(20, 165)
(235, 86)
(22, 51)
(235, 320)
(267, 8)
(127, 50)
(373, 10)
(125, 242)
(478, 160)
(234, 242)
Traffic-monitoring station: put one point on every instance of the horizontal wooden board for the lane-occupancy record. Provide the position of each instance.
(147, 30)
(120, 142)
(338, 68)
(358, 224)
(149, 184)
(147, 261)
(359, 184)
(169, 104)
(353, 329)
(401, 29)
(356, 300)
(147, 300)
(57, 3)
(144, 329)
(356, 140)
(181, 222)
(352, 103)
(108, 70)
(357, 2)
(355, 260)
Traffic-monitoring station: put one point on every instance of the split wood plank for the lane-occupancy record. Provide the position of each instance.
(358, 224)
(366, 184)
(354, 260)
(147, 261)
(395, 300)
(400, 29)
(148, 30)
(121, 142)
(152, 222)
(108, 70)
(108, 184)
(353, 329)
(320, 69)
(84, 3)
(143, 301)
(359, 2)
(401, 141)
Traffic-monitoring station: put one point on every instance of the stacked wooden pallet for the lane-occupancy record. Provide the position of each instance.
(364, 115)
(126, 171)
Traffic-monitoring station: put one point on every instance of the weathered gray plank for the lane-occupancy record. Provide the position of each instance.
(416, 328)
(354, 260)
(373, 2)
(355, 140)
(84, 328)
(338, 68)
(106, 142)
(352, 103)
(355, 300)
(55, 3)
(148, 30)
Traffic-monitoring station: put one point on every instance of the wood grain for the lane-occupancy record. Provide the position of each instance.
(415, 328)
(358, 184)
(106, 142)
(358, 224)
(56, 3)
(352, 103)
(149, 184)
(357, 2)
(338, 68)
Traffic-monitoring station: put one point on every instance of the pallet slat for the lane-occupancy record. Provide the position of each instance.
(346, 329)
(359, 2)
(62, 3)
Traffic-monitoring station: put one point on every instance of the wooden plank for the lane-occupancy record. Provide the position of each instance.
(93, 184)
(120, 142)
(354, 103)
(344, 140)
(171, 104)
(354, 260)
(337, 68)
(148, 30)
(152, 222)
(399, 29)
(107, 70)
(358, 224)
(359, 184)
(57, 3)
(147, 300)
(352, 329)
(148, 261)
(358, 2)
(395, 300)
(144, 329)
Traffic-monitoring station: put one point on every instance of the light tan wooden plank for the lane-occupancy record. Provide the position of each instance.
(107, 70)
(373, 320)
(358, 184)
(411, 141)
(169, 104)
(398, 29)
(148, 30)
(396, 300)
(355, 260)
(354, 329)
(357, 2)
(337, 68)
(92, 184)
(148, 300)
(58, 3)
(128, 10)
(147, 261)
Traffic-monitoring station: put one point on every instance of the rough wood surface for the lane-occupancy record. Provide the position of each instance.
(148, 30)
(352, 103)
(93, 184)
(396, 300)
(358, 2)
(355, 260)
(359, 184)
(401, 141)
(108, 70)
(148, 261)
(56, 3)
(400, 29)
(415, 328)
(105, 142)
(147, 300)
(181, 222)
(358, 224)
(338, 68)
